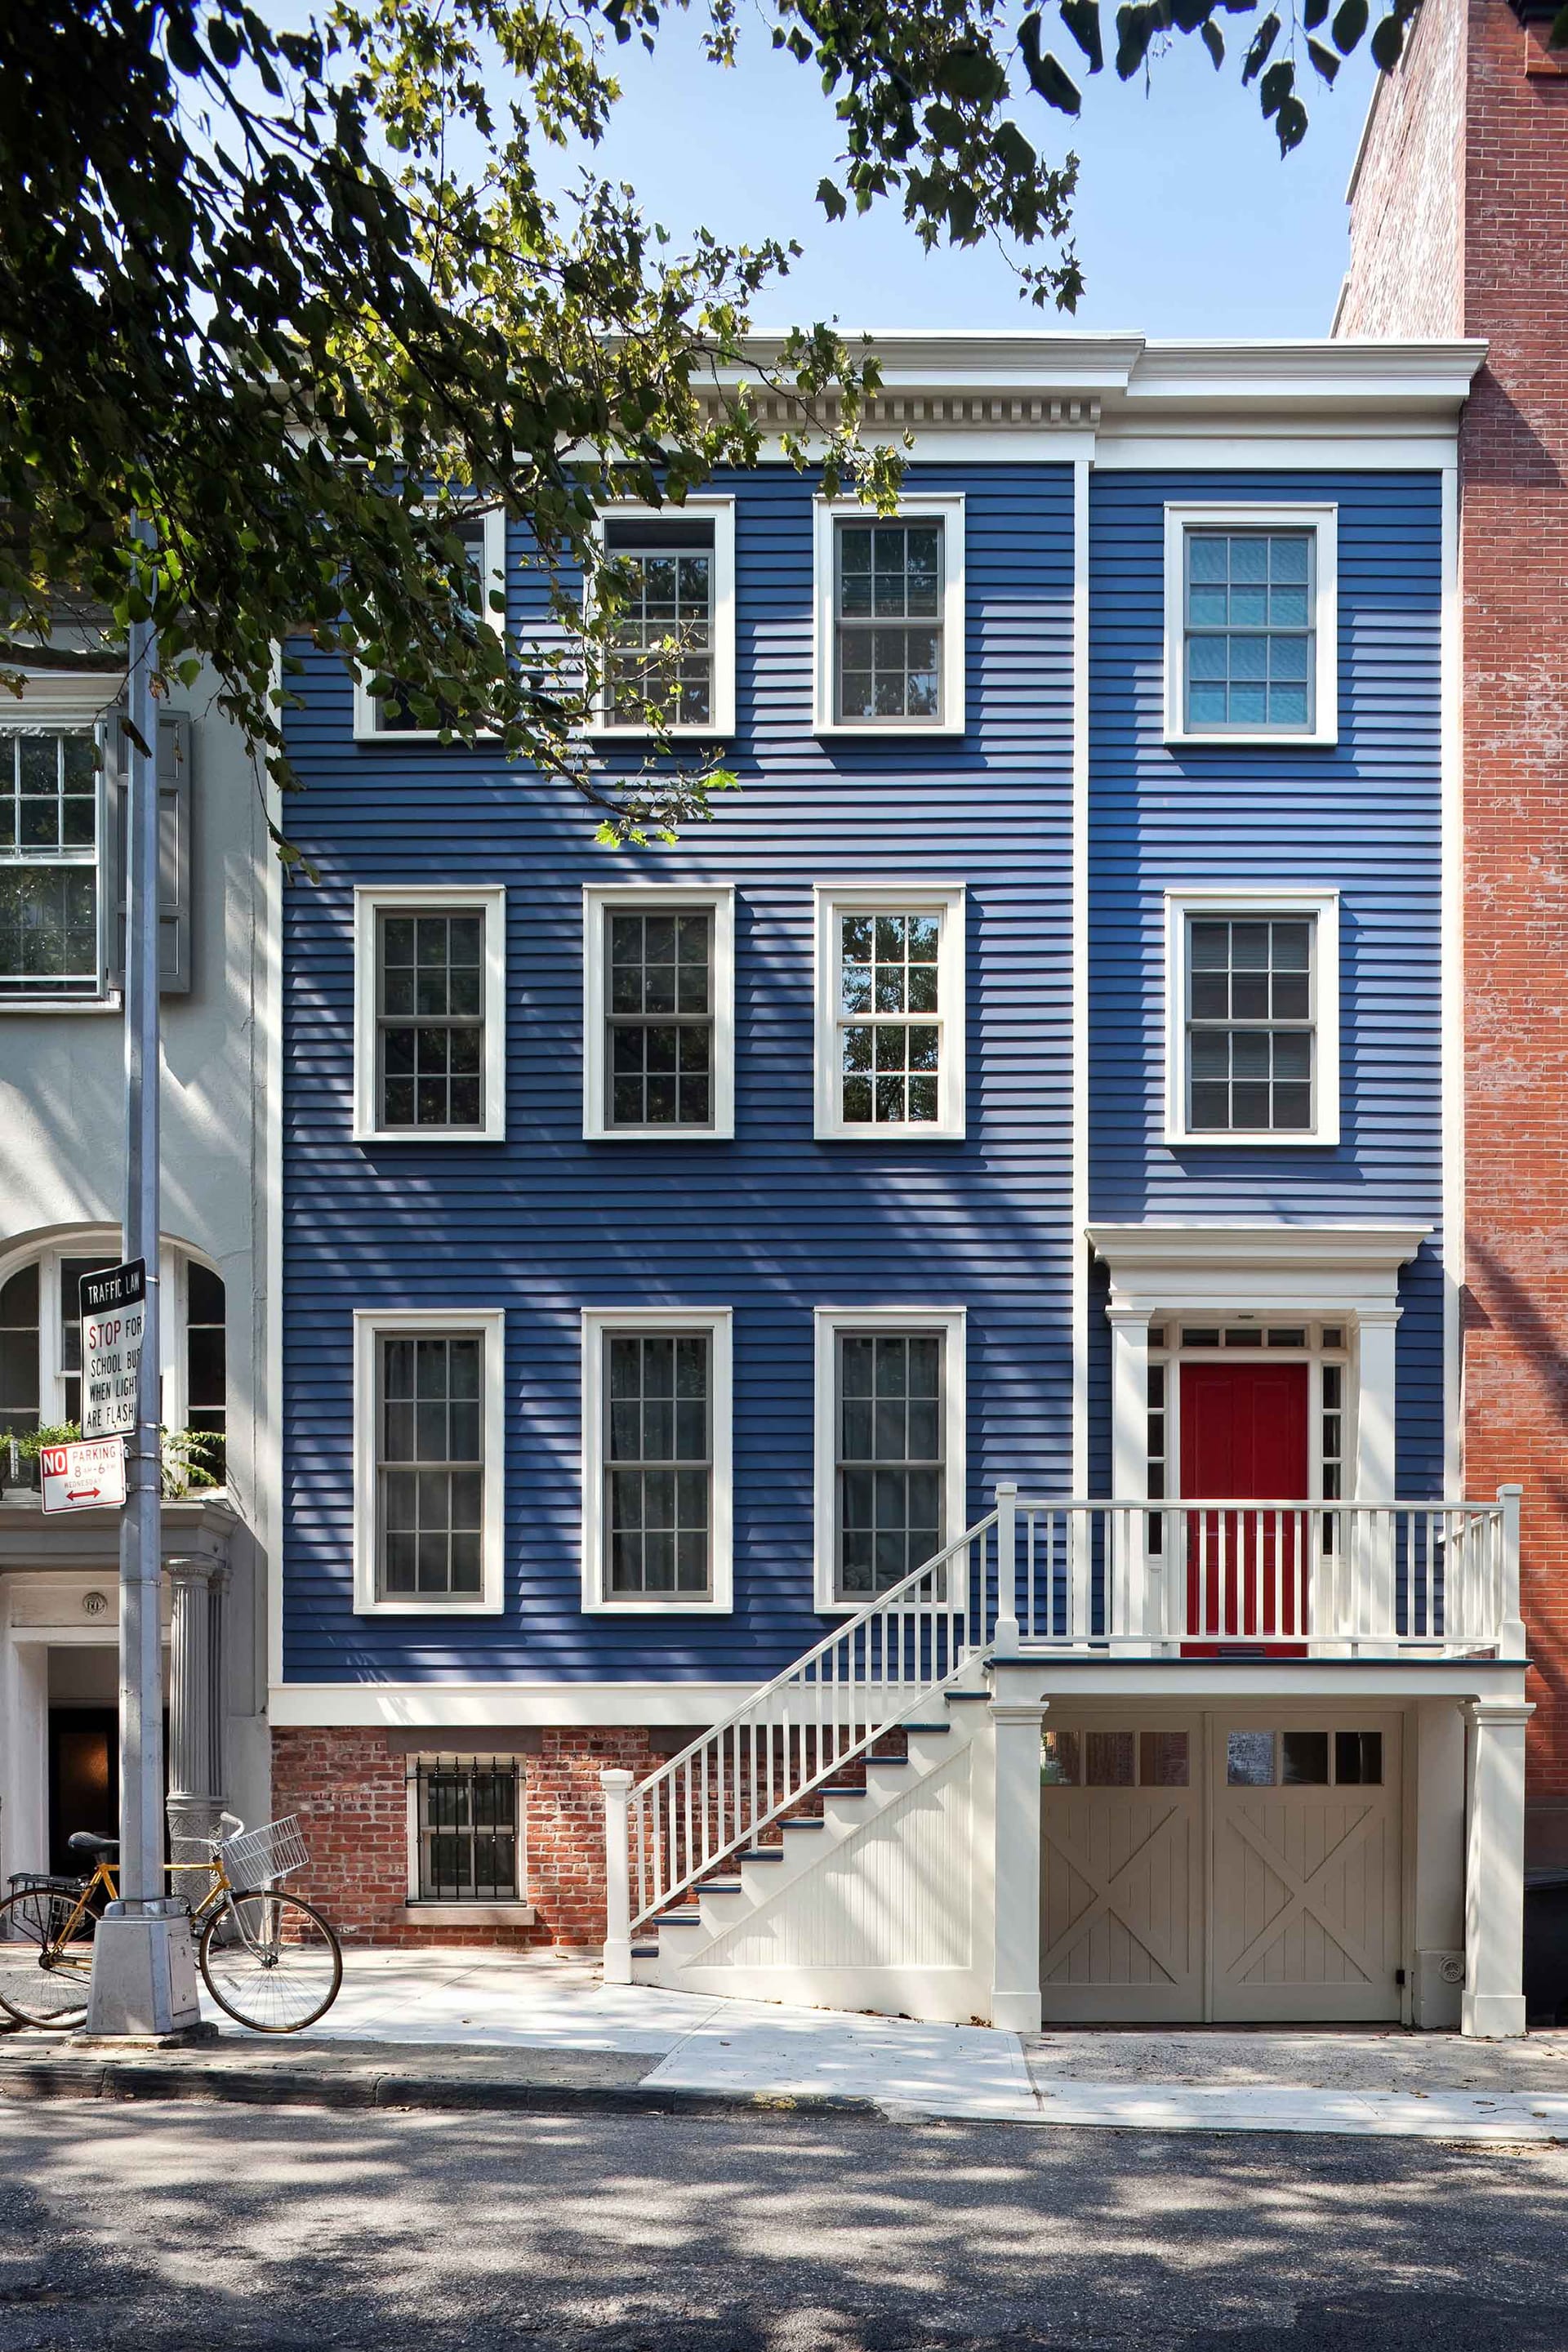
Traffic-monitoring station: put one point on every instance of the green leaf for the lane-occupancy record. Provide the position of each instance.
(223, 42)
(1214, 42)
(1314, 14)
(1324, 57)
(1387, 43)
(1135, 25)
(1081, 18)
(1349, 25)
(969, 73)
(1275, 86)
(1262, 41)
(185, 52)
(1290, 123)
(831, 199)
(1047, 76)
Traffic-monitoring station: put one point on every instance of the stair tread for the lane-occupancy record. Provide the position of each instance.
(761, 1853)
(846, 1788)
(968, 1698)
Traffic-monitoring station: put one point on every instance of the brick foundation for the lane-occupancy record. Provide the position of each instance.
(349, 1790)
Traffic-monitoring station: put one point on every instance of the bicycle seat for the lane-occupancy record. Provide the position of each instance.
(89, 1842)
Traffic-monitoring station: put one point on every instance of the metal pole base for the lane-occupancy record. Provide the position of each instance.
(143, 1973)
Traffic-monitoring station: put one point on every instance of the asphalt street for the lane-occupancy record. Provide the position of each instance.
(173, 2228)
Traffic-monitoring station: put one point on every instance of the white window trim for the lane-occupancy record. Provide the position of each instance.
(953, 1323)
(371, 1325)
(374, 898)
(492, 562)
(946, 900)
(482, 1910)
(1324, 907)
(599, 899)
(826, 514)
(720, 511)
(65, 710)
(717, 1321)
(1323, 521)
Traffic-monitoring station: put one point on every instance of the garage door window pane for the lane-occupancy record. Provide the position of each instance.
(1162, 1759)
(1250, 1759)
(1304, 1760)
(1358, 1759)
(1058, 1759)
(1108, 1759)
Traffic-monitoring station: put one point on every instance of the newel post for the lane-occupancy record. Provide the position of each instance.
(616, 1784)
(1510, 1636)
(1006, 1644)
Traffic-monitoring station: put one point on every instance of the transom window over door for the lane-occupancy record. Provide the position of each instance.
(50, 834)
(890, 991)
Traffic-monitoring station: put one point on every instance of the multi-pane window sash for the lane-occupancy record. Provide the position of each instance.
(1250, 1024)
(430, 1465)
(49, 863)
(887, 597)
(890, 1457)
(466, 1825)
(658, 1464)
(660, 992)
(395, 715)
(890, 1024)
(430, 1028)
(659, 664)
(1249, 641)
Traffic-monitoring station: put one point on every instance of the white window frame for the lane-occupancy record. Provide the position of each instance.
(1322, 520)
(370, 1326)
(82, 712)
(946, 901)
(827, 513)
(372, 900)
(492, 561)
(600, 899)
(721, 512)
(953, 1323)
(718, 1323)
(1321, 906)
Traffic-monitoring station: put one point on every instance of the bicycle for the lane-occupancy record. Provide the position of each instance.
(268, 1960)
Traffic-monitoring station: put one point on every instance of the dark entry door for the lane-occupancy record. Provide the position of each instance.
(84, 1778)
(1244, 1436)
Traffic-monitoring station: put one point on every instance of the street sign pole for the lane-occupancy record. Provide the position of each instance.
(142, 1980)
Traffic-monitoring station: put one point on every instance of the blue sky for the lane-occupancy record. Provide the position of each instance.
(1188, 221)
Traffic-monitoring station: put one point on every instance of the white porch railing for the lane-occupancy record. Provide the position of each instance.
(1173, 1579)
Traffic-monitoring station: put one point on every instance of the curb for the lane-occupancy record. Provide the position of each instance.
(274, 2086)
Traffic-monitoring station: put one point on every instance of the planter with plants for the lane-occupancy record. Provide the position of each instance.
(192, 1458)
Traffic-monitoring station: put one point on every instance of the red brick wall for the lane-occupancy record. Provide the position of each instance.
(349, 1790)
(1513, 455)
(1407, 209)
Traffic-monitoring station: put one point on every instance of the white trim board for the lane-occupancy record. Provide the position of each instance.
(481, 1706)
(371, 1324)
(372, 900)
(717, 1322)
(599, 900)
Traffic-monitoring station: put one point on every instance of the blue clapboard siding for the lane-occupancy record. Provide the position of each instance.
(773, 1224)
(1363, 817)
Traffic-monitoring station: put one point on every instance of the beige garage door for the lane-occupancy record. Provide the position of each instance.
(1225, 1867)
(1306, 1915)
(1121, 1874)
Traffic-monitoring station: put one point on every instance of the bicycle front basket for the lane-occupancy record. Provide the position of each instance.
(254, 1856)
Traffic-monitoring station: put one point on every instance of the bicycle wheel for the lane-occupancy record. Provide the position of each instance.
(271, 1962)
(42, 1983)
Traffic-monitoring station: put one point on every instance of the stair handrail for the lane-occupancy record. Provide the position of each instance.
(833, 1752)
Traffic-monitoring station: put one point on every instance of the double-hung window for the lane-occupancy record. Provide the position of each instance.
(483, 540)
(890, 1012)
(429, 1014)
(1253, 1049)
(51, 862)
(891, 605)
(890, 1465)
(428, 1473)
(658, 1012)
(669, 659)
(657, 1453)
(1251, 624)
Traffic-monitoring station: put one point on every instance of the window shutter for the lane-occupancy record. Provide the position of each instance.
(173, 853)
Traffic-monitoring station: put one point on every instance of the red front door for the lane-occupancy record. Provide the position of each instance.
(1244, 1436)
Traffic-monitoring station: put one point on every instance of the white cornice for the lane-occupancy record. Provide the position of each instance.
(1260, 1248)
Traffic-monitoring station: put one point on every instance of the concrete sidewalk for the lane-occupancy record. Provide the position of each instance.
(527, 2033)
